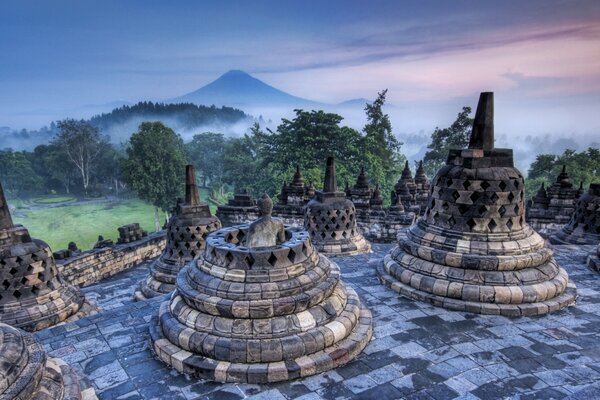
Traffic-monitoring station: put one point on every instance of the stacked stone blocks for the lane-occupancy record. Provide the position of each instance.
(472, 250)
(260, 315)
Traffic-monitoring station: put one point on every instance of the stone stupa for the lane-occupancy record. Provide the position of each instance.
(330, 219)
(33, 295)
(186, 236)
(27, 373)
(472, 250)
(262, 314)
(584, 226)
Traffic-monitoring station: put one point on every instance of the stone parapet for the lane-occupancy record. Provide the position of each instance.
(92, 266)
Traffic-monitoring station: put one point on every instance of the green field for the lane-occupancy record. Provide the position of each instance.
(82, 223)
(54, 199)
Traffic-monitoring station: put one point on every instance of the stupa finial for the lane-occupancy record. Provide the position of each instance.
(191, 190)
(482, 136)
(330, 183)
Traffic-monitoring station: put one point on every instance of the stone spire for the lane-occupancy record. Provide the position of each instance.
(580, 191)
(330, 183)
(191, 190)
(406, 174)
(563, 178)
(482, 136)
(541, 198)
(362, 182)
(5, 218)
(298, 180)
(420, 176)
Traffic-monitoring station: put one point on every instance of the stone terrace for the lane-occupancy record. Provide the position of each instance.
(418, 351)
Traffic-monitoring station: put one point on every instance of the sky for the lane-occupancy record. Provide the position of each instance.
(541, 58)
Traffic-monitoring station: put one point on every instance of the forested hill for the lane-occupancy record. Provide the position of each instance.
(121, 122)
(186, 119)
(189, 115)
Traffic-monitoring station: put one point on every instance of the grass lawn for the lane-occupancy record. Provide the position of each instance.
(83, 223)
(53, 199)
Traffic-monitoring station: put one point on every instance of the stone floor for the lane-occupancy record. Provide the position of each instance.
(417, 352)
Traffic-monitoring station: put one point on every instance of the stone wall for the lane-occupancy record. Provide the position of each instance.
(91, 266)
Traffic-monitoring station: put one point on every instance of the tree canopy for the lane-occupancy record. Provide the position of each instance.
(456, 136)
(581, 167)
(155, 165)
(82, 144)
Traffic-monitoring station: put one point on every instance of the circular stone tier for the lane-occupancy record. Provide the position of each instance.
(33, 295)
(259, 315)
(472, 250)
(331, 222)
(584, 226)
(28, 374)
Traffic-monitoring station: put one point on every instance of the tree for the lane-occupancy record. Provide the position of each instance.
(581, 167)
(381, 155)
(52, 164)
(17, 175)
(456, 136)
(307, 141)
(82, 143)
(206, 151)
(155, 166)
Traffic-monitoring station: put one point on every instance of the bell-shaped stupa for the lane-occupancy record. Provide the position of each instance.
(584, 225)
(472, 250)
(261, 305)
(186, 237)
(28, 374)
(330, 219)
(33, 295)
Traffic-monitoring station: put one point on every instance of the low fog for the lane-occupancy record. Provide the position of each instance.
(525, 146)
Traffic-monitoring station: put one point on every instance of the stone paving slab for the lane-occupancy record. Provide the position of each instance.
(418, 351)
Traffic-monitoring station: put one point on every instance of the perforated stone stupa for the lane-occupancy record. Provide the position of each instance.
(260, 314)
(28, 374)
(293, 198)
(413, 192)
(330, 219)
(551, 208)
(241, 209)
(584, 225)
(33, 295)
(472, 250)
(186, 235)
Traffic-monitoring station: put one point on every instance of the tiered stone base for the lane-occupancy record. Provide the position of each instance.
(391, 276)
(338, 346)
(347, 247)
(160, 281)
(47, 310)
(525, 284)
(28, 374)
(260, 315)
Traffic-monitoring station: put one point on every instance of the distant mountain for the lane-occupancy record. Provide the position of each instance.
(238, 89)
(354, 102)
